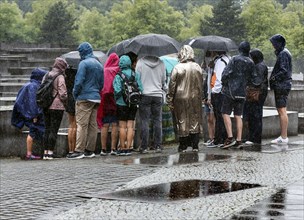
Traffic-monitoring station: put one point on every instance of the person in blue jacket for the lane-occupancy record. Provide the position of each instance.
(125, 114)
(88, 83)
(280, 82)
(27, 113)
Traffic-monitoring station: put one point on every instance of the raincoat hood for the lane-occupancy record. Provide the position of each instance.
(112, 61)
(257, 56)
(38, 74)
(244, 48)
(151, 61)
(85, 50)
(125, 62)
(186, 54)
(278, 42)
(60, 64)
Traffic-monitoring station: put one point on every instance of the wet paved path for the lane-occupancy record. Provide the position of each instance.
(51, 189)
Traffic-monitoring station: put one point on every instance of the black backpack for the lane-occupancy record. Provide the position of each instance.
(130, 91)
(44, 94)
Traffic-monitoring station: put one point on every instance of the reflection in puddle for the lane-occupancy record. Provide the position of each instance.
(175, 159)
(285, 204)
(273, 148)
(175, 191)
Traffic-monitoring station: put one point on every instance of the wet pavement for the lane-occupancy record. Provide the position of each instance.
(55, 189)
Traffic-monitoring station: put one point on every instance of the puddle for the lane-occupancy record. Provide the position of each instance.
(174, 191)
(273, 148)
(176, 159)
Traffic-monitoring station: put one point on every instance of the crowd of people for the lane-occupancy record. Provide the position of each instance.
(92, 96)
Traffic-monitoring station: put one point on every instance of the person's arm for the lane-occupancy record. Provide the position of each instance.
(171, 89)
(79, 78)
(284, 63)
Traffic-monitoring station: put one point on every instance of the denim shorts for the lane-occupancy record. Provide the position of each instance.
(207, 109)
(280, 97)
(109, 119)
(230, 105)
(125, 113)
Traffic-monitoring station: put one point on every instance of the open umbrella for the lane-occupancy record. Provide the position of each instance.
(73, 58)
(153, 45)
(212, 43)
(119, 48)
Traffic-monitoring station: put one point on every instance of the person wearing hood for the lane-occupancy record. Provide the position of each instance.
(125, 114)
(153, 77)
(88, 83)
(106, 114)
(280, 82)
(27, 113)
(53, 115)
(185, 97)
(235, 78)
(253, 110)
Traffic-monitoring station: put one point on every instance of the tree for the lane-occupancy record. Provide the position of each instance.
(11, 25)
(195, 19)
(58, 25)
(141, 17)
(226, 21)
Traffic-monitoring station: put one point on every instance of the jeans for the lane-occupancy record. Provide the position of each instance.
(52, 119)
(151, 108)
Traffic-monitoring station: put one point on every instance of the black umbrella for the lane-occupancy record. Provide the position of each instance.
(212, 43)
(119, 48)
(73, 58)
(153, 45)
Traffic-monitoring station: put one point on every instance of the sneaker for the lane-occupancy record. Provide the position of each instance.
(103, 153)
(249, 143)
(228, 143)
(238, 145)
(122, 153)
(32, 157)
(207, 143)
(45, 156)
(217, 144)
(212, 145)
(144, 151)
(113, 152)
(195, 150)
(158, 150)
(50, 157)
(77, 155)
(89, 154)
(128, 152)
(280, 140)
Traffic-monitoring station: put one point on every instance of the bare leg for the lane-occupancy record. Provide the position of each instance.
(29, 145)
(283, 121)
(122, 134)
(239, 127)
(130, 133)
(104, 136)
(228, 126)
(211, 125)
(72, 133)
(114, 135)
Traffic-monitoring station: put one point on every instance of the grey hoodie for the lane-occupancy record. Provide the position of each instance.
(153, 75)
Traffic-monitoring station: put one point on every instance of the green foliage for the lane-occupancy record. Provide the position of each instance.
(195, 19)
(11, 25)
(58, 25)
(91, 28)
(226, 21)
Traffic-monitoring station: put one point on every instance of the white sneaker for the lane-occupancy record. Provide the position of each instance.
(249, 143)
(280, 140)
(208, 142)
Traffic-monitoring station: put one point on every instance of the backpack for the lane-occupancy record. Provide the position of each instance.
(130, 90)
(44, 94)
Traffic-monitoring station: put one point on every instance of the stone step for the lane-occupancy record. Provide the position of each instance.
(8, 94)
(7, 61)
(39, 53)
(29, 63)
(14, 80)
(23, 70)
(10, 87)
(7, 101)
(6, 75)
